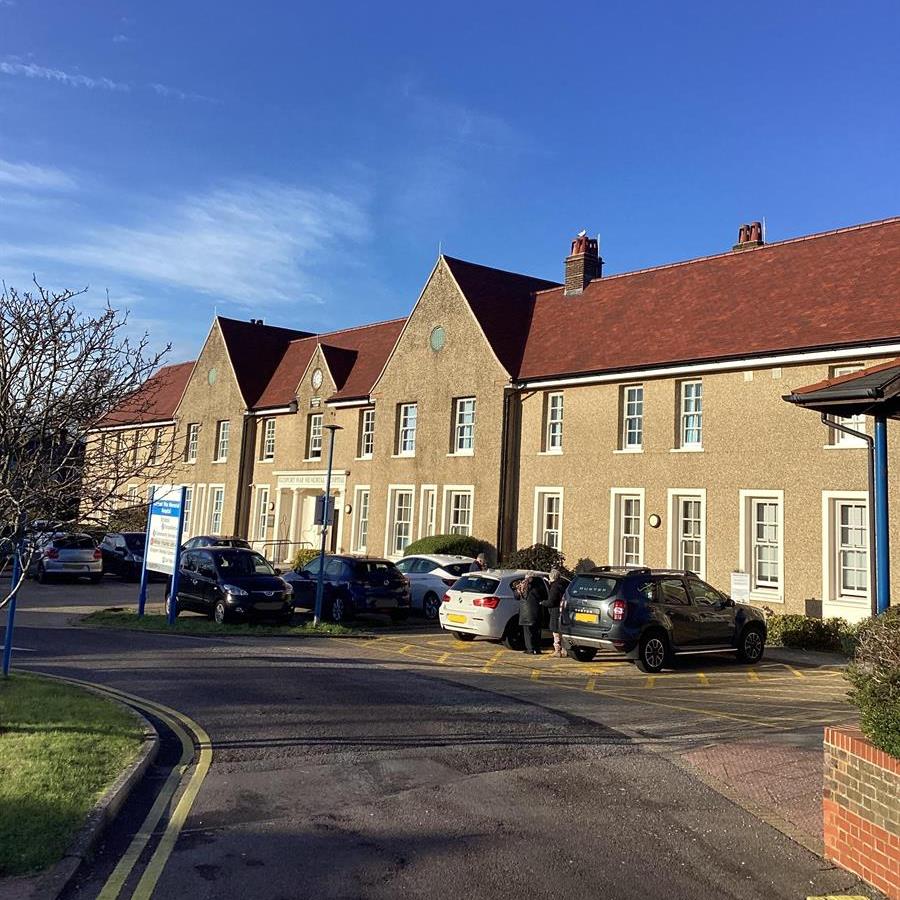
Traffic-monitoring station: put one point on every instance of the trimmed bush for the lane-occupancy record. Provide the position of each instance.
(453, 545)
(538, 558)
(303, 556)
(805, 633)
(875, 676)
(132, 518)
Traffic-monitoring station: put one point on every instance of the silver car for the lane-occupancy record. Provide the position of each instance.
(429, 576)
(66, 554)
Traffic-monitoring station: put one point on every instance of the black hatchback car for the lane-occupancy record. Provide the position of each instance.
(652, 615)
(229, 583)
(353, 584)
(123, 554)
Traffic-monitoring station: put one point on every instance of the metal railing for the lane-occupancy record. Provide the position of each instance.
(280, 550)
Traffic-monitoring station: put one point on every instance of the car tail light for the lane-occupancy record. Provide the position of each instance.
(98, 553)
(488, 602)
(446, 598)
(617, 610)
(51, 553)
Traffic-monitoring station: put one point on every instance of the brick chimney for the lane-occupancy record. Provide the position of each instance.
(749, 236)
(583, 264)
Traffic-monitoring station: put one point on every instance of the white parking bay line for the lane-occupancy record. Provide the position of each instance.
(24, 649)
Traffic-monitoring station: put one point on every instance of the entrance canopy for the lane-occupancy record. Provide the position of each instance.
(872, 392)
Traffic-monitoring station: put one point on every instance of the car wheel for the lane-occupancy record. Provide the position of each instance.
(513, 639)
(169, 606)
(338, 610)
(653, 652)
(463, 636)
(220, 613)
(431, 605)
(752, 645)
(583, 654)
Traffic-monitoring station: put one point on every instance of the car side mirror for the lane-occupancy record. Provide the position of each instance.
(277, 571)
(727, 602)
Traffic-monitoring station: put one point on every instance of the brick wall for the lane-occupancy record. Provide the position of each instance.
(861, 807)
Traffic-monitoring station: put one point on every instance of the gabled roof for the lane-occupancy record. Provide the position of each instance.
(155, 401)
(354, 357)
(503, 303)
(871, 391)
(838, 288)
(255, 350)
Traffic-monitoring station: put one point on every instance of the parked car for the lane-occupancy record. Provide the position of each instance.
(123, 553)
(59, 554)
(231, 583)
(214, 540)
(484, 604)
(429, 577)
(351, 585)
(653, 615)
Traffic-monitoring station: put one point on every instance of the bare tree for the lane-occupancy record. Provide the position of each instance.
(65, 376)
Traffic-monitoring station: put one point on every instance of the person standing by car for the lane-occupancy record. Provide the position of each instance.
(558, 586)
(532, 597)
(479, 564)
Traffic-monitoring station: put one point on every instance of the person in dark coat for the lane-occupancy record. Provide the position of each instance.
(531, 599)
(558, 586)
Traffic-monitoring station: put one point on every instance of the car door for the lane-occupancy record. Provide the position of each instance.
(416, 571)
(675, 605)
(206, 581)
(716, 613)
(120, 551)
(187, 581)
(337, 578)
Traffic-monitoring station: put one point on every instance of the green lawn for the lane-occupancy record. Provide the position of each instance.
(191, 624)
(60, 748)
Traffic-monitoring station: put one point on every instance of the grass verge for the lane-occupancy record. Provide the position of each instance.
(191, 624)
(60, 749)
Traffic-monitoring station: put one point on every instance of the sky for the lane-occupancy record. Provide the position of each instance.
(305, 163)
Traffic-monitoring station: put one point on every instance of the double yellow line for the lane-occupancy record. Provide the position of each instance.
(189, 733)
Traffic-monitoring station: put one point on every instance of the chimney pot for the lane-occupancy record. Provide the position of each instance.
(750, 235)
(583, 264)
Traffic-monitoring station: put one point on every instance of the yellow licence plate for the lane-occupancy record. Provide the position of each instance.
(587, 617)
(455, 617)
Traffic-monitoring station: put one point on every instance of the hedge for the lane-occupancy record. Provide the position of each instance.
(805, 633)
(453, 545)
(875, 676)
(537, 558)
(303, 556)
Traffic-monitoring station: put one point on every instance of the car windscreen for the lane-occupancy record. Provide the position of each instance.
(457, 569)
(374, 567)
(476, 584)
(592, 587)
(135, 542)
(74, 542)
(241, 564)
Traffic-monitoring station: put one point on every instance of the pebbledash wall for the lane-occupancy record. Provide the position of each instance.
(696, 463)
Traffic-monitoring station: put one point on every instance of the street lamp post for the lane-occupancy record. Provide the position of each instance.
(327, 508)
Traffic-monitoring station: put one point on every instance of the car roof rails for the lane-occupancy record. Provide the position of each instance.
(625, 570)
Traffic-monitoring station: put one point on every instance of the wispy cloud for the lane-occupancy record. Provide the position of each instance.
(30, 177)
(31, 70)
(247, 242)
(163, 90)
(121, 39)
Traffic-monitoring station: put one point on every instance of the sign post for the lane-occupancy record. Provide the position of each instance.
(162, 553)
(11, 610)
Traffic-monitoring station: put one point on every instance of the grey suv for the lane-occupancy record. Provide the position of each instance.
(652, 615)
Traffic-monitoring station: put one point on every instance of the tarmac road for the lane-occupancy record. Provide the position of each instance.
(338, 774)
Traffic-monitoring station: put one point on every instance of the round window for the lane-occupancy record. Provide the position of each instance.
(211, 375)
(438, 336)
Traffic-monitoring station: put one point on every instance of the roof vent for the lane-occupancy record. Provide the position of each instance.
(583, 264)
(749, 236)
(257, 322)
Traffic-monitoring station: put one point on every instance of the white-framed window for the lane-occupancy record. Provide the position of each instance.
(407, 417)
(687, 529)
(188, 509)
(262, 512)
(553, 422)
(428, 511)
(762, 542)
(690, 403)
(193, 440)
(216, 505)
(632, 400)
(132, 496)
(464, 425)
(459, 511)
(361, 496)
(548, 516)
(223, 428)
(366, 433)
(846, 542)
(626, 526)
(314, 436)
(856, 423)
(155, 441)
(400, 518)
(268, 440)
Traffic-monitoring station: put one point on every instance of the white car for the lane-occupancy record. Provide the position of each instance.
(483, 604)
(66, 554)
(429, 577)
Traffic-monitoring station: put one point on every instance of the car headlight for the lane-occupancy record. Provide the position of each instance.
(234, 590)
(288, 589)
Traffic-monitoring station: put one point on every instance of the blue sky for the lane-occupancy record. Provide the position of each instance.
(303, 162)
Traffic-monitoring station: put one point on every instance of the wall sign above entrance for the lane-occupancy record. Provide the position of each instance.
(311, 480)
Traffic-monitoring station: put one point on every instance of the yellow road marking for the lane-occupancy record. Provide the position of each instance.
(535, 674)
(487, 666)
(651, 680)
(752, 676)
(796, 672)
(701, 677)
(443, 657)
(591, 684)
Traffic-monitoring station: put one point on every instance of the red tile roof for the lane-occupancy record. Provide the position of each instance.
(861, 375)
(833, 289)
(355, 357)
(255, 350)
(155, 401)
